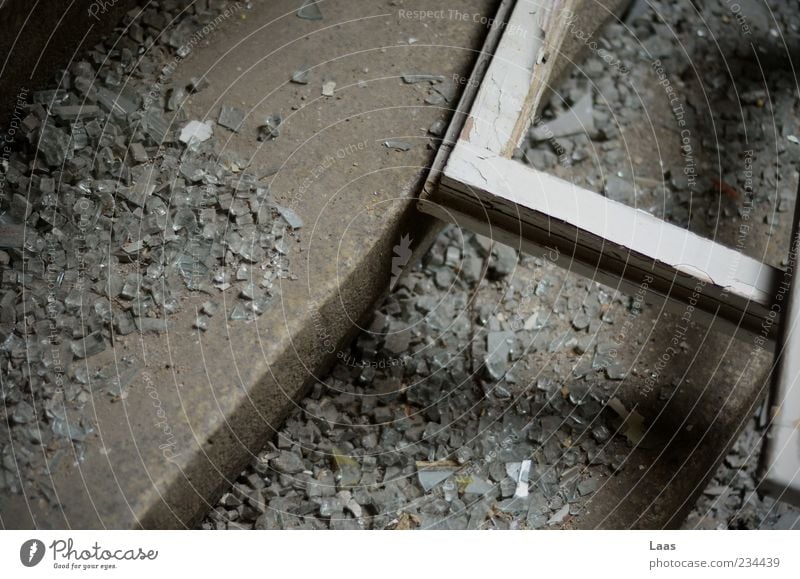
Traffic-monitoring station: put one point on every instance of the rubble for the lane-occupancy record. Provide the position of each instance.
(115, 208)
(501, 408)
(435, 439)
(642, 79)
(433, 421)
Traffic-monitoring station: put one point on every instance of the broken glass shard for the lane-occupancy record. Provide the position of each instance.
(154, 325)
(54, 145)
(271, 129)
(292, 219)
(195, 132)
(429, 478)
(88, 346)
(397, 145)
(301, 76)
(231, 118)
(310, 10)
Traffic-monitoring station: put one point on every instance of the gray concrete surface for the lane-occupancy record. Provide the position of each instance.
(692, 386)
(224, 391)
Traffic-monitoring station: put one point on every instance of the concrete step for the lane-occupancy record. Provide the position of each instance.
(206, 401)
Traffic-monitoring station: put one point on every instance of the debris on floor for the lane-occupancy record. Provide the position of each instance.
(732, 501)
(655, 114)
(118, 208)
(415, 78)
(484, 393)
(434, 421)
(310, 10)
(418, 432)
(328, 88)
(397, 145)
(301, 76)
(231, 118)
(193, 133)
(271, 129)
(422, 435)
(579, 119)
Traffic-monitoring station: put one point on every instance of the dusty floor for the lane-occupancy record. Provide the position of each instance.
(414, 430)
(221, 381)
(484, 393)
(488, 390)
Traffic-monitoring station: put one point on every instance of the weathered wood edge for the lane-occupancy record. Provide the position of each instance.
(602, 238)
(731, 286)
(462, 110)
(780, 457)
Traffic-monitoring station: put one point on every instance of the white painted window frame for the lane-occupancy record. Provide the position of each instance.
(475, 183)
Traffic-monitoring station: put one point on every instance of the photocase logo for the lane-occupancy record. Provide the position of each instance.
(402, 253)
(31, 552)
